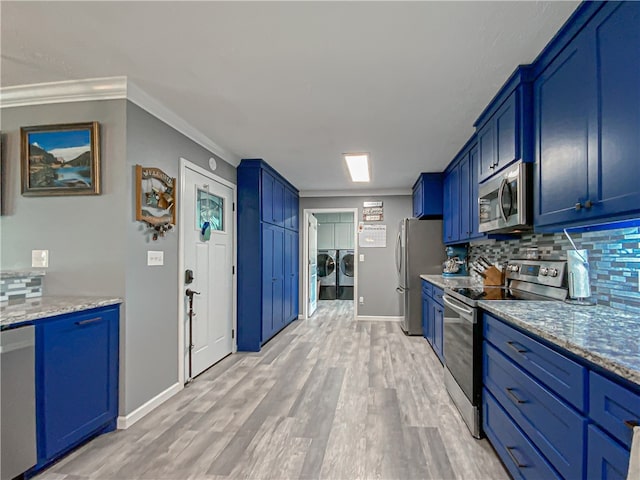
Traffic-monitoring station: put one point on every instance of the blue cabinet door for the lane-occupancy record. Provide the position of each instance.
(613, 183)
(273, 199)
(606, 459)
(486, 150)
(76, 379)
(473, 200)
(290, 209)
(417, 199)
(506, 128)
(290, 276)
(438, 330)
(465, 198)
(451, 206)
(562, 105)
(272, 280)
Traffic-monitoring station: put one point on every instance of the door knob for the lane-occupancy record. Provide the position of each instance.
(190, 293)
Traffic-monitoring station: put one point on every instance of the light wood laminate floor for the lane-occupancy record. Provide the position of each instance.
(329, 397)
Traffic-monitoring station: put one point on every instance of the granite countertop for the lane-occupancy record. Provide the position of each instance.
(602, 335)
(49, 306)
(452, 282)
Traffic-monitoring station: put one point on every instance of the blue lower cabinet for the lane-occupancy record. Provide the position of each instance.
(542, 416)
(606, 459)
(76, 379)
(519, 455)
(614, 407)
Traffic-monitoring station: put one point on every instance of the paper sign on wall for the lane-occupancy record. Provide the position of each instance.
(372, 212)
(372, 236)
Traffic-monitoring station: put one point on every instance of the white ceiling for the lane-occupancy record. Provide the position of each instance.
(296, 83)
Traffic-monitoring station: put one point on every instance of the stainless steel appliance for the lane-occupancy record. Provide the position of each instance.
(505, 200)
(419, 250)
(526, 280)
(18, 401)
(346, 272)
(327, 263)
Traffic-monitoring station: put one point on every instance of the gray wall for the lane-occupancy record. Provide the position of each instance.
(377, 280)
(84, 235)
(151, 340)
(95, 245)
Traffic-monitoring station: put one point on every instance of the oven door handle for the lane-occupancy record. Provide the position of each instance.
(458, 307)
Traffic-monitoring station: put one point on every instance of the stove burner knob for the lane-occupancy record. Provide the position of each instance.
(553, 272)
(544, 271)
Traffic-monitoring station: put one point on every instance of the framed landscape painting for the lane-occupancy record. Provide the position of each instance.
(61, 159)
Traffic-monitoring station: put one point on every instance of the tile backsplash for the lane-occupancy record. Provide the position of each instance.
(614, 258)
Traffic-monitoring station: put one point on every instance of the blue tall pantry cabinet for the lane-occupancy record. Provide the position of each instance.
(267, 253)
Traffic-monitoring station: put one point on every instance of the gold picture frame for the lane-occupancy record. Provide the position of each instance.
(60, 159)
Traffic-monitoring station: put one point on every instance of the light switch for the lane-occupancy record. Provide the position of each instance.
(39, 258)
(362, 257)
(155, 258)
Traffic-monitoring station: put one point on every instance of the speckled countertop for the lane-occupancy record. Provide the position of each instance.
(602, 335)
(21, 273)
(451, 282)
(49, 306)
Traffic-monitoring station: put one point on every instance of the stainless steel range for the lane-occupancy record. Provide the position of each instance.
(525, 280)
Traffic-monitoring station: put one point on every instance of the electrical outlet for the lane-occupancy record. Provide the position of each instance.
(362, 257)
(361, 300)
(155, 258)
(39, 258)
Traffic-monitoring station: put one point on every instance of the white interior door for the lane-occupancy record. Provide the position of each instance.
(211, 261)
(312, 235)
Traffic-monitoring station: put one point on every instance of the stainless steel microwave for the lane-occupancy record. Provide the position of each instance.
(505, 200)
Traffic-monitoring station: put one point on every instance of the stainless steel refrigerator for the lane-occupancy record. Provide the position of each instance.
(419, 250)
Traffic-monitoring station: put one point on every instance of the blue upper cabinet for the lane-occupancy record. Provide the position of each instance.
(587, 122)
(461, 216)
(427, 196)
(267, 253)
(504, 128)
(451, 220)
(291, 205)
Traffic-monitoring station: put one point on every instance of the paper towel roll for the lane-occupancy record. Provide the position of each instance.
(578, 268)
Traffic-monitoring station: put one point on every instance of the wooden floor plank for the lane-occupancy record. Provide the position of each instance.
(329, 397)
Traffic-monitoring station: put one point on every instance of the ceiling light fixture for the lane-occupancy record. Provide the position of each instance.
(358, 165)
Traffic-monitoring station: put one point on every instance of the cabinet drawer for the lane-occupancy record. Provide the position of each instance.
(427, 288)
(437, 295)
(565, 377)
(611, 405)
(606, 459)
(519, 455)
(546, 419)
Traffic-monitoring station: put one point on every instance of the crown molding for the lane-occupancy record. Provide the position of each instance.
(355, 193)
(108, 88)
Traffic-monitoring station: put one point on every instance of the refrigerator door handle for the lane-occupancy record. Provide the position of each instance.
(398, 253)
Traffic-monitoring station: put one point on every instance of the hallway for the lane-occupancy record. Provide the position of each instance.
(328, 397)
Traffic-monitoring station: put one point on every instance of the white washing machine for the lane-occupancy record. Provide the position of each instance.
(346, 273)
(328, 274)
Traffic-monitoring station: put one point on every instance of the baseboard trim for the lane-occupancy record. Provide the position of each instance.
(371, 318)
(125, 422)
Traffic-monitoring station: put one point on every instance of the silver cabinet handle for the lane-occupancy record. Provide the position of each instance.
(88, 321)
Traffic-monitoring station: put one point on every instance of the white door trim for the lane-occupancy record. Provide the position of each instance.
(305, 255)
(184, 164)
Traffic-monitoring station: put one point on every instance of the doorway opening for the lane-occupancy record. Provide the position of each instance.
(330, 250)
